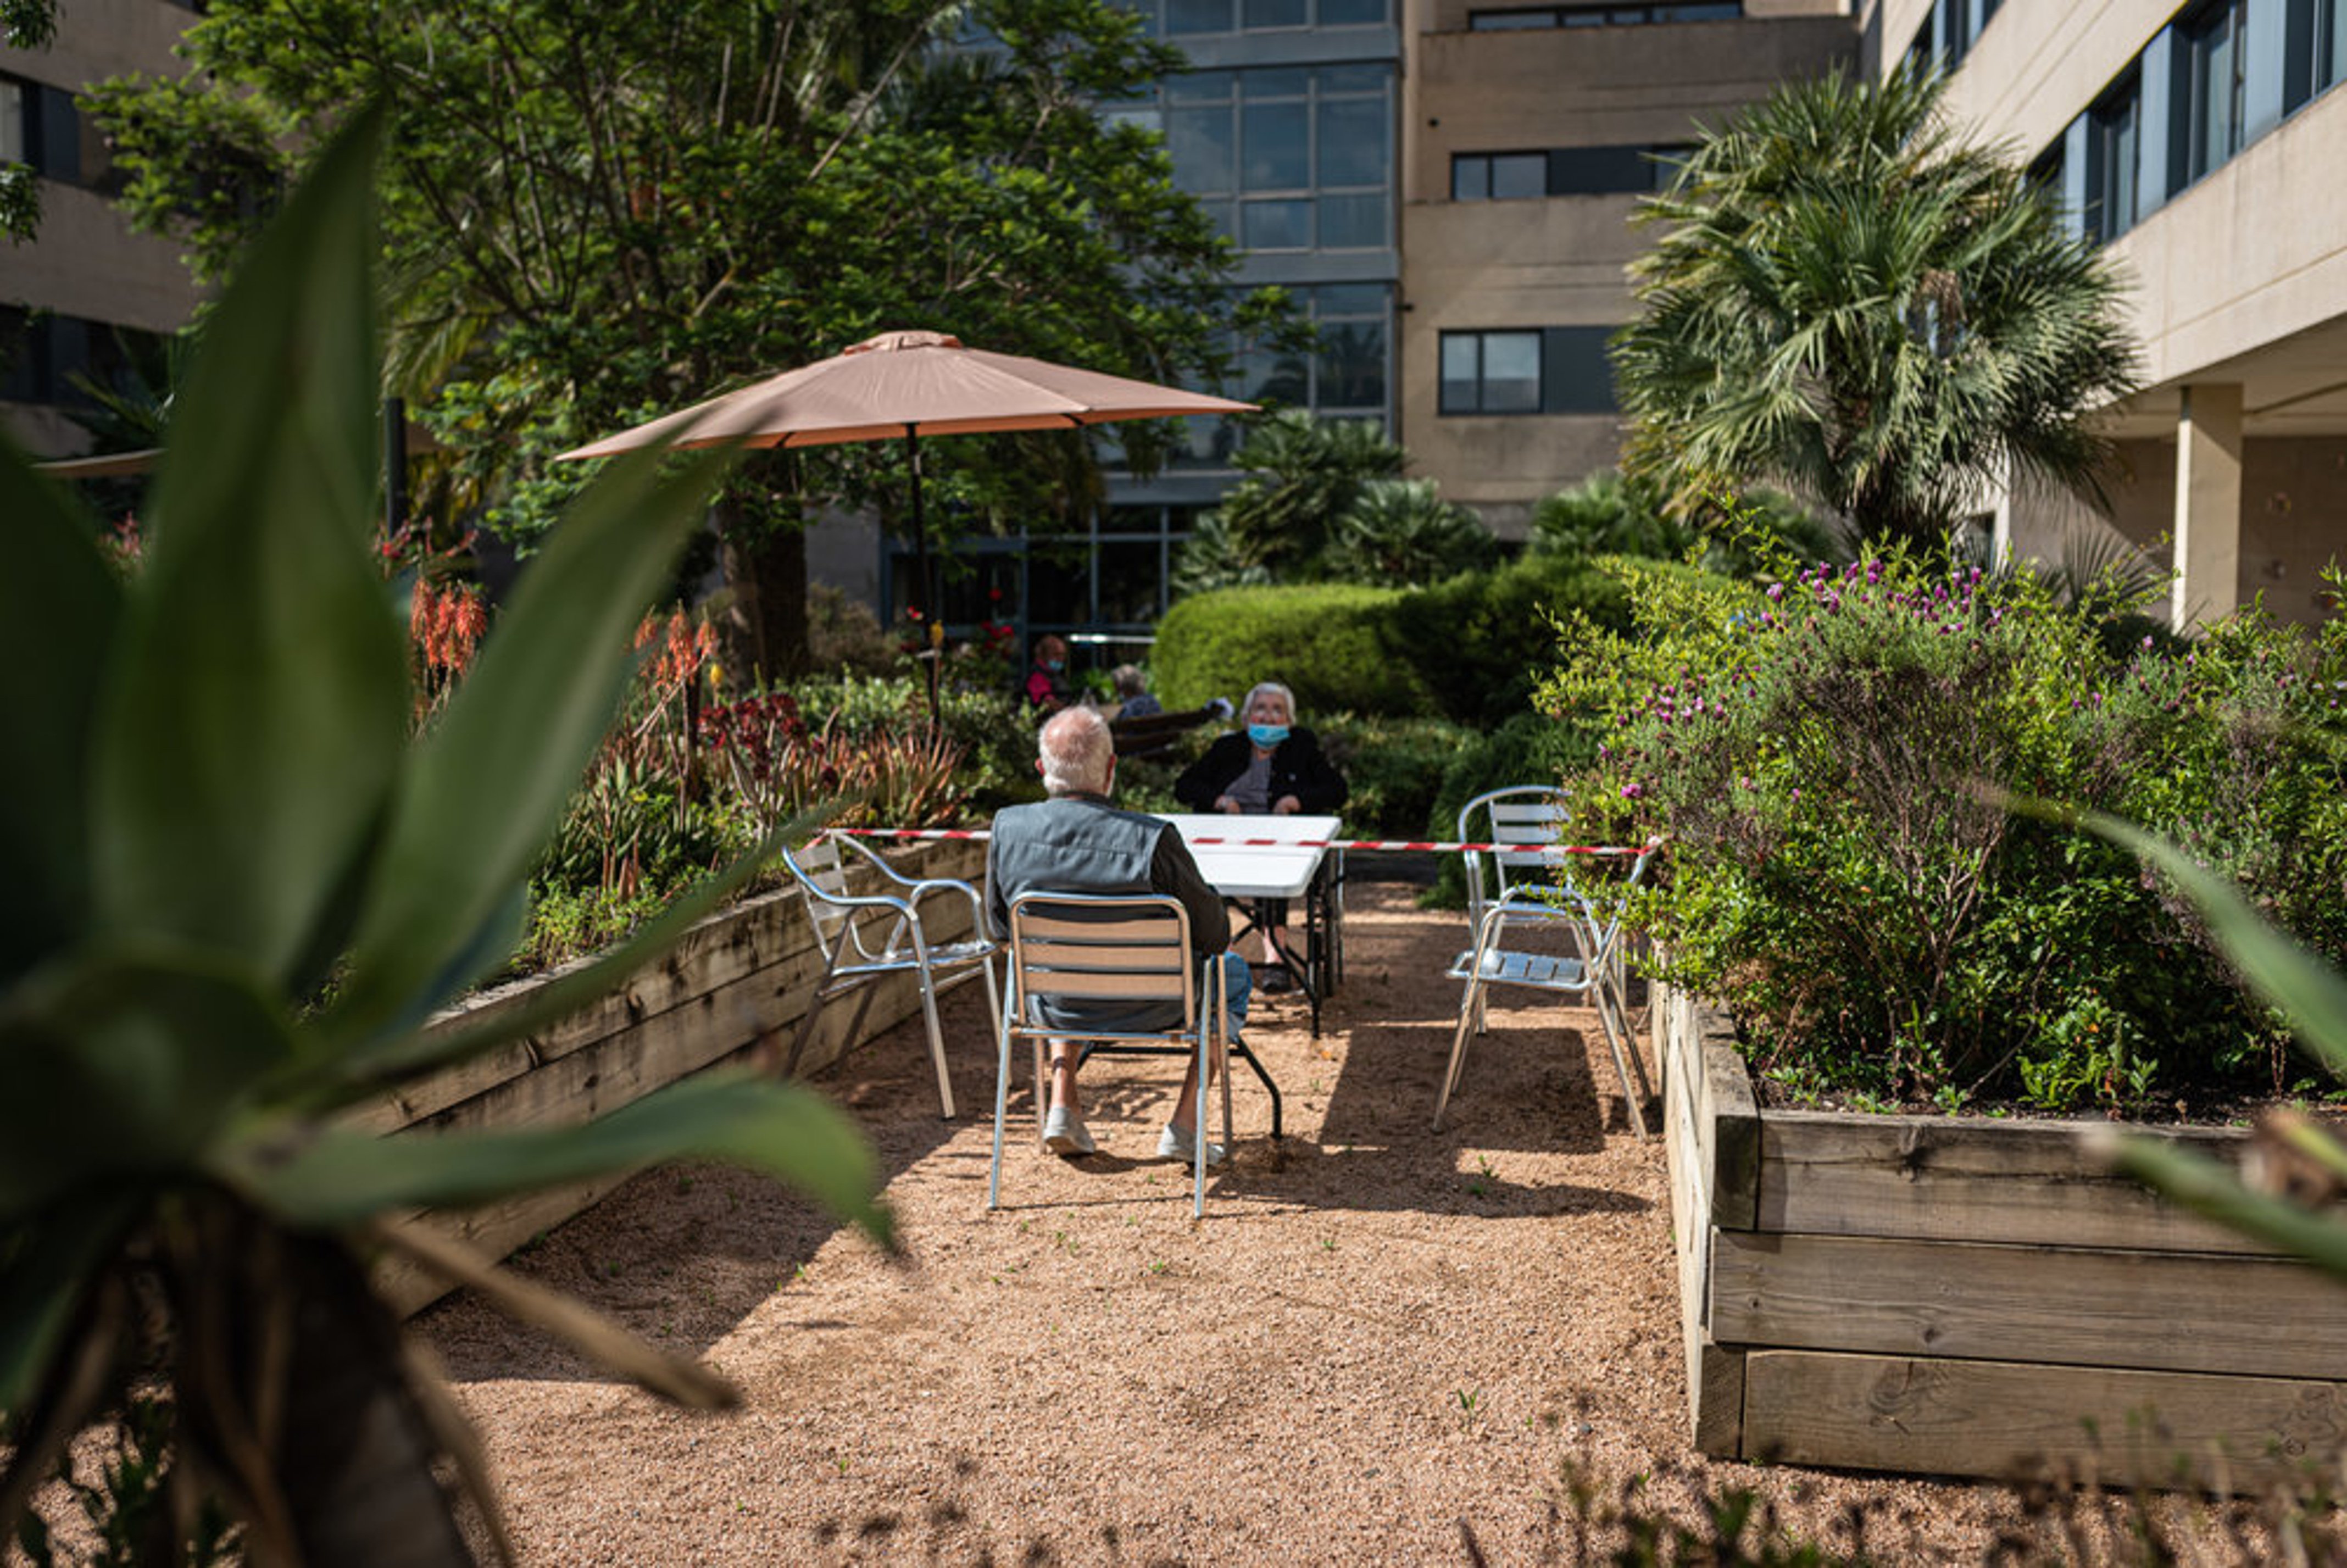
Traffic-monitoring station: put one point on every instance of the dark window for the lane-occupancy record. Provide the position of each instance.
(1563, 171)
(2210, 55)
(40, 125)
(2314, 49)
(1497, 176)
(1517, 19)
(24, 356)
(1556, 370)
(2114, 157)
(1576, 373)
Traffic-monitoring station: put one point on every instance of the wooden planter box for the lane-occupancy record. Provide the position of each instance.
(737, 978)
(1973, 1297)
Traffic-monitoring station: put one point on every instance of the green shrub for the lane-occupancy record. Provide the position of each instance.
(1469, 649)
(1394, 768)
(1828, 756)
(1330, 644)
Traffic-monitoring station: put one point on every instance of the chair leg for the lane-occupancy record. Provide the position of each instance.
(1002, 1099)
(936, 1047)
(1616, 1020)
(1042, 1093)
(1470, 1007)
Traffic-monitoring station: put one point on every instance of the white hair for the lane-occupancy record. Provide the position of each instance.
(1272, 688)
(1077, 751)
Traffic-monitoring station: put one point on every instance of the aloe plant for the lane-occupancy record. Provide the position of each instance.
(232, 893)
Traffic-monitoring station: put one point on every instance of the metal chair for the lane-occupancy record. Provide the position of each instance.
(1532, 927)
(866, 937)
(1110, 960)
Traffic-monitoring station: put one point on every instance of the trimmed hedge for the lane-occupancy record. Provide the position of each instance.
(1331, 643)
(1469, 650)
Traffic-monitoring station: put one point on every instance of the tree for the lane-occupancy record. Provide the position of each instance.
(1856, 304)
(237, 892)
(1303, 475)
(593, 214)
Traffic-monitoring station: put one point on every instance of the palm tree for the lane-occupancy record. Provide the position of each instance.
(1858, 303)
(1400, 533)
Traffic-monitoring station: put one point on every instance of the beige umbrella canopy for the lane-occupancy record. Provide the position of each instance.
(909, 385)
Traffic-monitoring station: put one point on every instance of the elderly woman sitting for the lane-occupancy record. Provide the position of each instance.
(1274, 768)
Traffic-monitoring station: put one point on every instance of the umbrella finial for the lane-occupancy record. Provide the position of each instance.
(904, 340)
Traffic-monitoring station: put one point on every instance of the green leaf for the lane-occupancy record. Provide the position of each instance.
(2310, 992)
(258, 702)
(487, 786)
(362, 1070)
(58, 610)
(342, 1178)
(128, 1063)
(48, 1267)
(2211, 1189)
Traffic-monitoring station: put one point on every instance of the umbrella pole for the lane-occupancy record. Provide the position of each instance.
(923, 573)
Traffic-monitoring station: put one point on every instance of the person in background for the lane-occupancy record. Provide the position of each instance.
(1276, 768)
(1074, 841)
(1132, 693)
(1047, 690)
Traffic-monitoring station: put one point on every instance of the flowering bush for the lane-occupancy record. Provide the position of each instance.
(902, 775)
(1830, 754)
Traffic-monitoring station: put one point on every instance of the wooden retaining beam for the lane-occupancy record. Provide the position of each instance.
(1974, 1297)
(738, 979)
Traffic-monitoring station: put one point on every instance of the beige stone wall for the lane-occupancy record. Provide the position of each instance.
(2293, 517)
(86, 260)
(1558, 261)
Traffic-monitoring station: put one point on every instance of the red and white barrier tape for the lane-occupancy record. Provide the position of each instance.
(1441, 846)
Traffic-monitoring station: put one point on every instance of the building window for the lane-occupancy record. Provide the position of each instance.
(1553, 370)
(2314, 50)
(1516, 19)
(1564, 172)
(1287, 159)
(1497, 176)
(1192, 18)
(2210, 55)
(2114, 158)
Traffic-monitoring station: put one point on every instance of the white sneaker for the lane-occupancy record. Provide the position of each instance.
(1176, 1144)
(1066, 1135)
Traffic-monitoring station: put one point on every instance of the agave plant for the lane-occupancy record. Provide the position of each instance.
(1402, 533)
(235, 894)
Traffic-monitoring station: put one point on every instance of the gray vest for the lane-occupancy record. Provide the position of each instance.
(1074, 844)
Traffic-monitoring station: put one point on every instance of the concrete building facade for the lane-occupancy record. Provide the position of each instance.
(2202, 143)
(86, 292)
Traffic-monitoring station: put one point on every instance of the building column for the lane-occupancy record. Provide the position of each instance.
(2208, 506)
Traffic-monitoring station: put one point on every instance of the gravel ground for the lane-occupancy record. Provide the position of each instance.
(1380, 1341)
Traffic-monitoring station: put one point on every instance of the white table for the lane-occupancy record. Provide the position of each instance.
(1274, 857)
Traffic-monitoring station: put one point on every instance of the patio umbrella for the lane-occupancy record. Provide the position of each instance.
(909, 385)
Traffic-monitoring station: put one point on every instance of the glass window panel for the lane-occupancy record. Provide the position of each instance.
(1508, 21)
(1470, 177)
(1585, 19)
(1197, 17)
(1206, 441)
(1058, 583)
(1147, 117)
(1131, 581)
(1204, 148)
(1512, 367)
(1578, 370)
(1271, 377)
(1353, 133)
(1353, 222)
(1353, 366)
(1147, 10)
(1276, 226)
(1350, 300)
(1220, 214)
(11, 122)
(1255, 86)
(1353, 79)
(1462, 366)
(1264, 13)
(1198, 87)
(2331, 45)
(1274, 143)
(1352, 13)
(1516, 176)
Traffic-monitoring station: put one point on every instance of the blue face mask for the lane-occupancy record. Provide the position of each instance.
(1266, 735)
(1053, 664)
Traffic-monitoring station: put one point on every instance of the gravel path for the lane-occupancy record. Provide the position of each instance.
(1381, 1339)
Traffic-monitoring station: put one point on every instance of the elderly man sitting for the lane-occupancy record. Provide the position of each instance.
(1076, 842)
